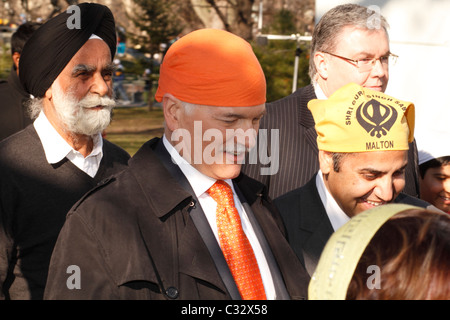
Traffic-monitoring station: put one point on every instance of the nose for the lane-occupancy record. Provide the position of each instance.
(446, 185)
(385, 189)
(100, 86)
(379, 70)
(246, 136)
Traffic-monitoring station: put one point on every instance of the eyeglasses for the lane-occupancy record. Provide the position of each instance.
(365, 65)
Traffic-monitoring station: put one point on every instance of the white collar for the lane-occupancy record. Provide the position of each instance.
(55, 147)
(319, 92)
(199, 182)
(336, 215)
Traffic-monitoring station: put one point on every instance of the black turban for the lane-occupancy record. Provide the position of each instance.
(53, 45)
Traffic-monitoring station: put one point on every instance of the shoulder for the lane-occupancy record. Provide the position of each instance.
(303, 94)
(290, 109)
(26, 140)
(407, 199)
(111, 147)
(290, 201)
(297, 196)
(106, 201)
(115, 153)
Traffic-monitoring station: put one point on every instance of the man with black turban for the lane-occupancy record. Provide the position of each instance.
(66, 66)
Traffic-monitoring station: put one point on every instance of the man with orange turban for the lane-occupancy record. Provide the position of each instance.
(182, 222)
(363, 138)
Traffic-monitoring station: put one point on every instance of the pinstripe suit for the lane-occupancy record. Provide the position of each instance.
(298, 152)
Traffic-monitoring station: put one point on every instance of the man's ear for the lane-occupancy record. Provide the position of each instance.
(172, 111)
(49, 94)
(16, 58)
(321, 63)
(325, 161)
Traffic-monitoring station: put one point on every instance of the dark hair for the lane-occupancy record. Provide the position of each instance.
(433, 163)
(412, 251)
(22, 34)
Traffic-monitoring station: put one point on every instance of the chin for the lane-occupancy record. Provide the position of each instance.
(227, 171)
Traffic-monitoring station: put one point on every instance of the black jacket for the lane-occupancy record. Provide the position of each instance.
(143, 235)
(13, 111)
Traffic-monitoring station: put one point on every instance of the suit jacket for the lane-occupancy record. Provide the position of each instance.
(298, 152)
(143, 235)
(307, 223)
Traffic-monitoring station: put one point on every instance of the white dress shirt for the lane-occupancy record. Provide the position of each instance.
(337, 217)
(200, 183)
(319, 92)
(56, 148)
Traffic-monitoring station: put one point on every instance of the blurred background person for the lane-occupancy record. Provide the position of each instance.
(13, 110)
(434, 166)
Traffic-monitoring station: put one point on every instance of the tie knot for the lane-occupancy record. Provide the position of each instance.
(221, 192)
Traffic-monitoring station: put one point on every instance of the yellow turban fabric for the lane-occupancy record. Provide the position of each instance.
(357, 119)
(212, 67)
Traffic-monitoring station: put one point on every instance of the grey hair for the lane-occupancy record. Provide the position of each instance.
(337, 159)
(34, 107)
(188, 107)
(327, 31)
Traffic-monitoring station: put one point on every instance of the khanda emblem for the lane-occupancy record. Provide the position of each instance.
(376, 118)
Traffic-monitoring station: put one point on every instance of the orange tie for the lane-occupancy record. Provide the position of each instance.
(235, 246)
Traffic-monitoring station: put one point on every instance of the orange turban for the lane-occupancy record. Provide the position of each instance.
(212, 67)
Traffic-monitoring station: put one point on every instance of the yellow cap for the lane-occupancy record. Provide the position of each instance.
(357, 119)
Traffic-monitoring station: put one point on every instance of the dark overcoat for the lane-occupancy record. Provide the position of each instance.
(142, 236)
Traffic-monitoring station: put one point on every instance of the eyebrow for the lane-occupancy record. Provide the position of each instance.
(375, 171)
(238, 115)
(368, 54)
(90, 68)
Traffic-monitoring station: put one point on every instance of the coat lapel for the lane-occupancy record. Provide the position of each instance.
(197, 238)
(314, 224)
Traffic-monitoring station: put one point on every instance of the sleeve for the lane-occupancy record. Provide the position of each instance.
(6, 249)
(78, 268)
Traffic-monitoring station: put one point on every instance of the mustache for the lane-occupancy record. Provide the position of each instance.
(92, 101)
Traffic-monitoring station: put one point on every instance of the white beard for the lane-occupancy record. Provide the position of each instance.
(77, 117)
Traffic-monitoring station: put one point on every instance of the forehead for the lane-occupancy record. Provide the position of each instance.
(443, 169)
(358, 39)
(93, 52)
(241, 112)
(378, 160)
